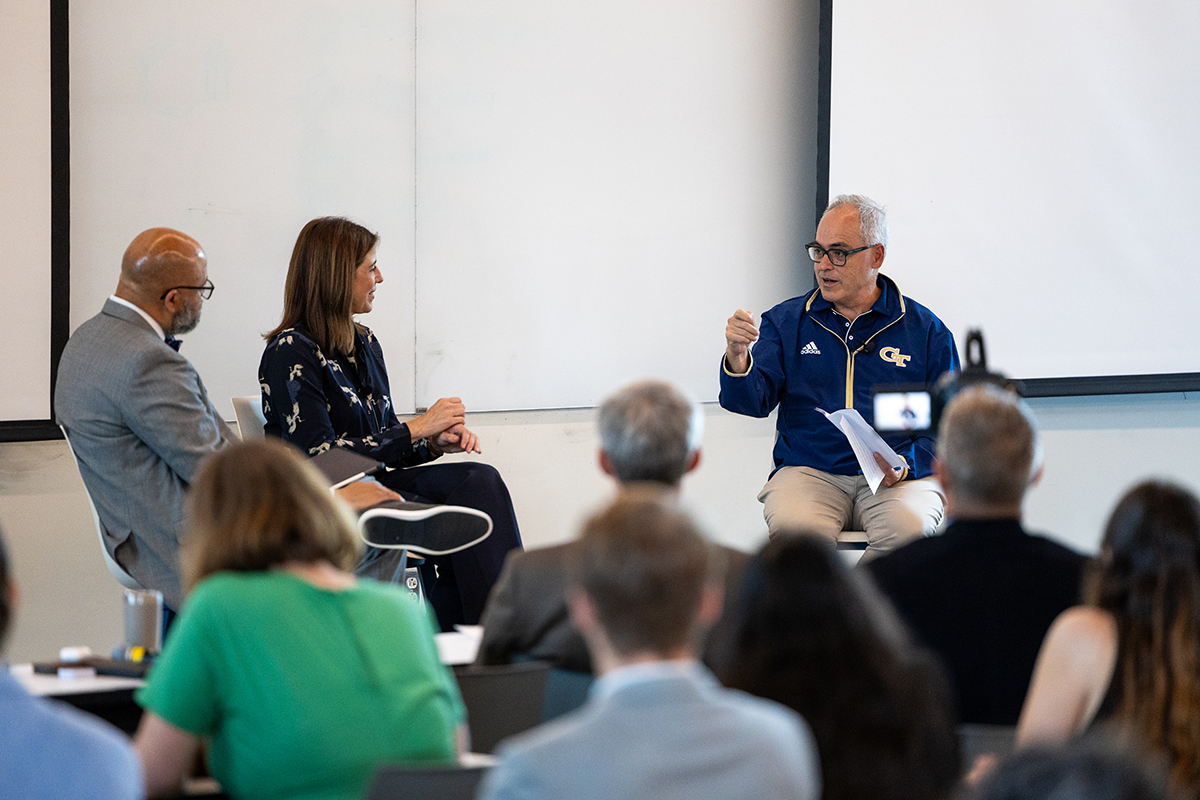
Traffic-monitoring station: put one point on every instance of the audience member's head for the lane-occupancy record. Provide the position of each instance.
(987, 452)
(1085, 770)
(259, 504)
(164, 272)
(319, 290)
(815, 635)
(7, 593)
(650, 431)
(642, 581)
(1148, 578)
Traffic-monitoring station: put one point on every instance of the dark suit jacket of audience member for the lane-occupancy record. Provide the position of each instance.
(526, 614)
(982, 596)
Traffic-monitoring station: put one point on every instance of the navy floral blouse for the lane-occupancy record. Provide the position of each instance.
(316, 401)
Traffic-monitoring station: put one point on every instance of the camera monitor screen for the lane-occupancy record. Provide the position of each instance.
(902, 410)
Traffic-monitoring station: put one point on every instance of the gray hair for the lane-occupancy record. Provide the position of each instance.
(872, 218)
(649, 431)
(988, 444)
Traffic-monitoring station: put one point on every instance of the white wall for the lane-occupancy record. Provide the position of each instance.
(1095, 448)
(25, 208)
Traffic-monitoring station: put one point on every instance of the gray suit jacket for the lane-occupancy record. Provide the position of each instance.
(139, 421)
(526, 614)
(675, 737)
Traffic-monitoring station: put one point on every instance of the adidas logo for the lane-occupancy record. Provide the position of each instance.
(810, 349)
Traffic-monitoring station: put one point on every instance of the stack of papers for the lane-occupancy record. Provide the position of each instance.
(865, 442)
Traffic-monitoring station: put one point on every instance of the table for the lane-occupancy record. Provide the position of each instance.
(106, 697)
(111, 698)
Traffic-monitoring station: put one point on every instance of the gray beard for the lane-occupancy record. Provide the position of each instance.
(184, 322)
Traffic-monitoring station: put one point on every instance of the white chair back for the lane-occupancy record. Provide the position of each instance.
(121, 575)
(250, 419)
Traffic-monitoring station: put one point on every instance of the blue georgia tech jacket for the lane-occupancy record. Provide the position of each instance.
(808, 356)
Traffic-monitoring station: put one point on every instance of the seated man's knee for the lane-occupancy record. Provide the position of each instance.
(903, 517)
(803, 519)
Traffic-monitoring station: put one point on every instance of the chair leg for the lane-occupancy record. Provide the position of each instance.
(412, 579)
(411, 576)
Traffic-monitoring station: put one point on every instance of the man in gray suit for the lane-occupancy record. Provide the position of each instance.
(657, 723)
(650, 435)
(137, 413)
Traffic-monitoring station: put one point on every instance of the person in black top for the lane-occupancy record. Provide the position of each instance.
(324, 384)
(1125, 662)
(983, 593)
(807, 631)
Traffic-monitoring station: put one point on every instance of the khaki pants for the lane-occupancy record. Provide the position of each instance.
(802, 499)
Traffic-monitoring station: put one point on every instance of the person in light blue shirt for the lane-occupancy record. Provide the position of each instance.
(53, 751)
(656, 724)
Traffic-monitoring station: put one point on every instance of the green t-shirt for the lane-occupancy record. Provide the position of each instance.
(304, 691)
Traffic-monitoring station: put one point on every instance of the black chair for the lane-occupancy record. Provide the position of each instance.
(501, 700)
(566, 690)
(400, 782)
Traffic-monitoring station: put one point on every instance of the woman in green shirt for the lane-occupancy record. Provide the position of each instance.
(302, 677)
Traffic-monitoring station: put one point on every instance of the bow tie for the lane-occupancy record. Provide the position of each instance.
(173, 343)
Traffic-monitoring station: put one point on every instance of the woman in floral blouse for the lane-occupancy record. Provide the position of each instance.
(324, 384)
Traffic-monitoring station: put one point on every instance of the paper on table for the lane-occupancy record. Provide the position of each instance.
(456, 647)
(865, 442)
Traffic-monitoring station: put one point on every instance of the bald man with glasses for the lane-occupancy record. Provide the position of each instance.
(137, 413)
(135, 409)
(829, 349)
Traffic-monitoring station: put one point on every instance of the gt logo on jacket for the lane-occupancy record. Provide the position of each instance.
(893, 355)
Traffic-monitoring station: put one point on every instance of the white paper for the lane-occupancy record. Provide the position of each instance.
(456, 647)
(865, 442)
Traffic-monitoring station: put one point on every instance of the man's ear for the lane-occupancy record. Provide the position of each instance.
(712, 602)
(581, 610)
(606, 465)
(170, 301)
(693, 461)
(877, 254)
(14, 600)
(940, 472)
(1036, 477)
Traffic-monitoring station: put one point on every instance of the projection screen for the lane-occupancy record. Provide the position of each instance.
(1039, 160)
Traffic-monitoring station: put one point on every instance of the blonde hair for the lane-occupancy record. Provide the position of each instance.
(319, 291)
(257, 504)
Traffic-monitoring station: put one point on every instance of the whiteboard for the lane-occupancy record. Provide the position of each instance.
(1039, 162)
(600, 184)
(237, 123)
(25, 210)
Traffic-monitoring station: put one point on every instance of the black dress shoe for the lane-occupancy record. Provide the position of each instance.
(428, 530)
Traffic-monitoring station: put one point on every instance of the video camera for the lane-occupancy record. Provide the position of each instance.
(915, 408)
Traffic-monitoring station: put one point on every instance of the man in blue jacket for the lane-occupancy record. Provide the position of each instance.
(828, 349)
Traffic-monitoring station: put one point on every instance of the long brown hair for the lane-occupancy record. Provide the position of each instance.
(1148, 578)
(257, 504)
(810, 632)
(320, 281)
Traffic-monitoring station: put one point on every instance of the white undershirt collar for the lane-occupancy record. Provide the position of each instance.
(153, 322)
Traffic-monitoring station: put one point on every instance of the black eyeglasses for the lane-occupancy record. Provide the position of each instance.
(837, 256)
(205, 291)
